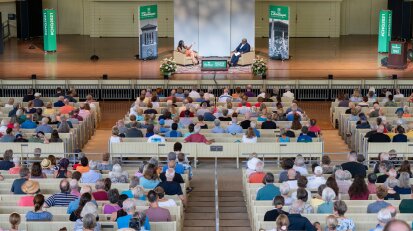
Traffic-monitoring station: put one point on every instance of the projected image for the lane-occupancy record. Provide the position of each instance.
(278, 40)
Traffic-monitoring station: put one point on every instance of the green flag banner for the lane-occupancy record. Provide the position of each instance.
(385, 24)
(49, 30)
(396, 49)
(279, 19)
(148, 32)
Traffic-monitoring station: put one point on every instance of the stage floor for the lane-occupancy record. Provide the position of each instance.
(347, 57)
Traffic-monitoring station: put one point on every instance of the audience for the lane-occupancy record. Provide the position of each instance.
(340, 208)
(155, 213)
(297, 221)
(355, 168)
(117, 175)
(129, 210)
(91, 176)
(16, 187)
(100, 194)
(358, 189)
(278, 203)
(383, 217)
(63, 198)
(269, 191)
(38, 214)
(6, 164)
(328, 196)
(379, 204)
(113, 206)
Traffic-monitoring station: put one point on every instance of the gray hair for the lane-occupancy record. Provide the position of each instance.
(170, 173)
(297, 207)
(89, 221)
(347, 175)
(328, 194)
(284, 188)
(217, 122)
(89, 208)
(404, 180)
(154, 161)
(253, 124)
(259, 167)
(384, 216)
(391, 182)
(100, 184)
(24, 171)
(134, 181)
(299, 160)
(129, 205)
(92, 164)
(73, 184)
(16, 160)
(340, 175)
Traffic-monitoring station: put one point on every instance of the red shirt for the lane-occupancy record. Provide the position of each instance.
(76, 165)
(247, 105)
(100, 195)
(256, 177)
(364, 196)
(196, 138)
(182, 114)
(26, 201)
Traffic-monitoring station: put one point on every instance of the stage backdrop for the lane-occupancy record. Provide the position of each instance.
(215, 27)
(148, 32)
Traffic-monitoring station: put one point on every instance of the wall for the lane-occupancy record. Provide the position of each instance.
(9, 7)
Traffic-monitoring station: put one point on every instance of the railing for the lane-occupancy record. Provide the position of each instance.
(129, 89)
(216, 195)
(6, 29)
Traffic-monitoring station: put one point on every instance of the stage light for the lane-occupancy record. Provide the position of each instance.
(34, 76)
(105, 76)
(330, 76)
(394, 76)
(94, 58)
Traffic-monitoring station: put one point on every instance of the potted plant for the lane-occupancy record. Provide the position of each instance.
(259, 67)
(168, 67)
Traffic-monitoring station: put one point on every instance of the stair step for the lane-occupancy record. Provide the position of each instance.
(200, 210)
(231, 216)
(212, 199)
(234, 223)
(234, 229)
(200, 216)
(242, 209)
(212, 203)
(199, 223)
(188, 228)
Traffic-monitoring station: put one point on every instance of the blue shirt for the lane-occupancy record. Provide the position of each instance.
(148, 184)
(375, 207)
(90, 177)
(234, 129)
(268, 192)
(304, 138)
(179, 168)
(28, 124)
(44, 128)
(218, 130)
(326, 207)
(75, 204)
(163, 129)
(284, 140)
(130, 195)
(257, 133)
(39, 216)
(123, 222)
(173, 133)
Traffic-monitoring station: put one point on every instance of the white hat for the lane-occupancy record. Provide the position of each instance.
(37, 94)
(252, 163)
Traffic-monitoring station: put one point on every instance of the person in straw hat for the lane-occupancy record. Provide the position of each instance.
(30, 187)
(46, 164)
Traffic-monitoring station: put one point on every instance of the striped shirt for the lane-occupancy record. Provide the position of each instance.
(60, 199)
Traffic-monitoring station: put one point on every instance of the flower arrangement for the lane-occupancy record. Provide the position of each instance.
(259, 67)
(168, 65)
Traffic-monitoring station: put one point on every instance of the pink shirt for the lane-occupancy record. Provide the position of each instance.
(372, 188)
(196, 138)
(109, 209)
(14, 170)
(315, 129)
(84, 113)
(26, 201)
(75, 192)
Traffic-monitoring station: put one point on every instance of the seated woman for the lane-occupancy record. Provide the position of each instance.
(62, 172)
(150, 179)
(117, 175)
(403, 186)
(359, 190)
(187, 50)
(36, 171)
(162, 201)
(113, 205)
(38, 214)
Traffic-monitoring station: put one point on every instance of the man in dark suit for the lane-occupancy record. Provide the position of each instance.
(242, 48)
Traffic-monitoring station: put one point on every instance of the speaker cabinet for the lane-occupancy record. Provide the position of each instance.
(29, 18)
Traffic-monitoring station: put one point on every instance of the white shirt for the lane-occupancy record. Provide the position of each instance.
(168, 203)
(398, 96)
(288, 94)
(315, 182)
(223, 98)
(293, 184)
(243, 110)
(249, 140)
(194, 94)
(114, 139)
(302, 170)
(156, 139)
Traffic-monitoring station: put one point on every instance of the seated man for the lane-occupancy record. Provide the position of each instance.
(63, 198)
(242, 48)
(154, 212)
(172, 187)
(269, 191)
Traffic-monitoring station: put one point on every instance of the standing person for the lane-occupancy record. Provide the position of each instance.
(187, 50)
(242, 48)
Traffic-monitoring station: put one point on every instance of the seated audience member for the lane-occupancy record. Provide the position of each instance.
(100, 194)
(317, 199)
(63, 172)
(304, 137)
(397, 225)
(285, 191)
(358, 189)
(16, 187)
(406, 205)
(379, 204)
(187, 167)
(87, 219)
(63, 198)
(84, 165)
(384, 171)
(404, 167)
(400, 137)
(105, 165)
(303, 196)
(47, 167)
(92, 175)
(314, 128)
(269, 191)
(252, 163)
(355, 168)
(133, 131)
(38, 214)
(245, 124)
(162, 201)
(16, 168)
(342, 182)
(344, 223)
(83, 200)
(269, 123)
(75, 203)
(174, 131)
(117, 175)
(129, 210)
(31, 188)
(301, 183)
(225, 115)
(283, 137)
(379, 136)
(328, 196)
(108, 184)
(36, 171)
(134, 182)
(258, 175)
(171, 187)
(44, 127)
(318, 178)
(74, 187)
(155, 213)
(179, 168)
(292, 179)
(331, 223)
(391, 183)
(403, 186)
(297, 221)
(217, 127)
(6, 163)
(234, 128)
(8, 137)
(372, 178)
(113, 206)
(278, 203)
(383, 217)
(14, 220)
(197, 138)
(150, 179)
(286, 165)
(326, 164)
(249, 136)
(299, 165)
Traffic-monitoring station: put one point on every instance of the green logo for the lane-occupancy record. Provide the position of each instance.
(396, 49)
(279, 12)
(384, 30)
(148, 12)
(49, 30)
(214, 64)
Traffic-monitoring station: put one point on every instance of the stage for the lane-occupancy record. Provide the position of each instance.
(347, 57)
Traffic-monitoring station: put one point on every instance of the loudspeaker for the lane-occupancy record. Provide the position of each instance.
(29, 18)
(105, 76)
(34, 76)
(394, 76)
(330, 76)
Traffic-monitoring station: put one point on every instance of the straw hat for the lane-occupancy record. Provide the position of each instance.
(30, 187)
(45, 163)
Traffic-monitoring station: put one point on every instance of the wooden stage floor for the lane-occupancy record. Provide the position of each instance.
(348, 57)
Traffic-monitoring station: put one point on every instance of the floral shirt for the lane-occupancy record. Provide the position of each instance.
(345, 224)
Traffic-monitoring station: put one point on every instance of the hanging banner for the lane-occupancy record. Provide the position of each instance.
(49, 30)
(279, 17)
(385, 24)
(148, 32)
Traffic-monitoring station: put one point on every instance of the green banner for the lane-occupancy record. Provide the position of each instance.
(148, 12)
(279, 12)
(385, 24)
(396, 49)
(49, 30)
(214, 64)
